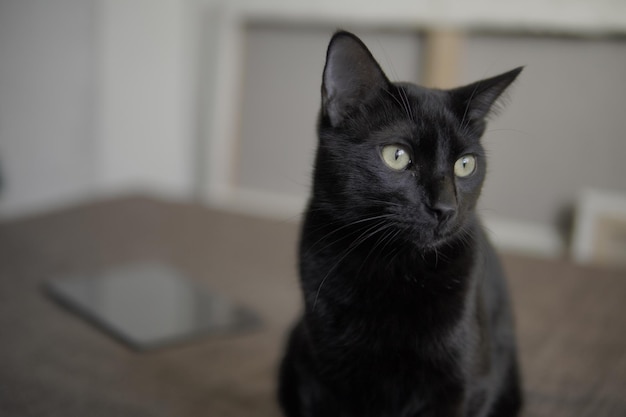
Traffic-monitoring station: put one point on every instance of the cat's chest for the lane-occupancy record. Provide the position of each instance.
(385, 327)
(404, 302)
(384, 351)
(407, 319)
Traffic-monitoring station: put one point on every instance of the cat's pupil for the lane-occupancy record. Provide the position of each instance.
(399, 153)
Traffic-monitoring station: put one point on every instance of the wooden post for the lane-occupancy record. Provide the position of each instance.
(442, 58)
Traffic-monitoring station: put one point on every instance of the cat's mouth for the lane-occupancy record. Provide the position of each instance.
(443, 235)
(430, 233)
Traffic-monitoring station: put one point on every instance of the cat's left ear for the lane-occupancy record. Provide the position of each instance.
(476, 100)
(351, 78)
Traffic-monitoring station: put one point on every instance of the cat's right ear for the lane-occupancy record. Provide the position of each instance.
(477, 100)
(351, 77)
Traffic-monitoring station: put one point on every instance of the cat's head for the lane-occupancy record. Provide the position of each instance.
(406, 155)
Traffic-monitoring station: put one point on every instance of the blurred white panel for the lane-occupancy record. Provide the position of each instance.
(46, 103)
(145, 112)
(562, 126)
(281, 98)
(571, 16)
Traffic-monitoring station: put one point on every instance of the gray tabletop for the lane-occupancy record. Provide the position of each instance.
(571, 320)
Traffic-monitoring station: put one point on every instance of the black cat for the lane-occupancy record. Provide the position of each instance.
(406, 306)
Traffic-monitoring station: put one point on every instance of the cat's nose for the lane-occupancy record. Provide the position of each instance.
(444, 210)
(443, 205)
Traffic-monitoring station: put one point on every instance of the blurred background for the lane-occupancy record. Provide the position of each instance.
(216, 101)
(124, 124)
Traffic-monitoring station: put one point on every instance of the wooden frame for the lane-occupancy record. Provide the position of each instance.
(218, 143)
(600, 229)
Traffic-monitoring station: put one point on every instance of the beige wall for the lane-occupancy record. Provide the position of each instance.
(563, 128)
(96, 99)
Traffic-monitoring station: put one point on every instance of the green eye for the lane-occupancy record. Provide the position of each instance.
(465, 166)
(396, 157)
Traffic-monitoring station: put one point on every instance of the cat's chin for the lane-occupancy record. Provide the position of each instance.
(433, 244)
(432, 239)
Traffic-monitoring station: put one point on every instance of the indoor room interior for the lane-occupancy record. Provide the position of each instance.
(144, 139)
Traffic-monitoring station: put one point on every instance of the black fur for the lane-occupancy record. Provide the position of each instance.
(406, 307)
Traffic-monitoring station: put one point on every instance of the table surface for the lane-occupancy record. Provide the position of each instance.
(571, 320)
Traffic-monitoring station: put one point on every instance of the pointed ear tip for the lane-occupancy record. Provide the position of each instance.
(343, 35)
(516, 71)
(508, 77)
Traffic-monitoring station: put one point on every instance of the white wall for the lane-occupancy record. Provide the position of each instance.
(145, 100)
(97, 98)
(46, 102)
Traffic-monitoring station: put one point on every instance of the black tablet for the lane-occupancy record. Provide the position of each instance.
(149, 305)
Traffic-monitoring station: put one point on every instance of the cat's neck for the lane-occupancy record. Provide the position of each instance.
(372, 265)
(357, 284)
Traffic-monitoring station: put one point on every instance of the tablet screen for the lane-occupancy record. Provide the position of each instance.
(150, 304)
